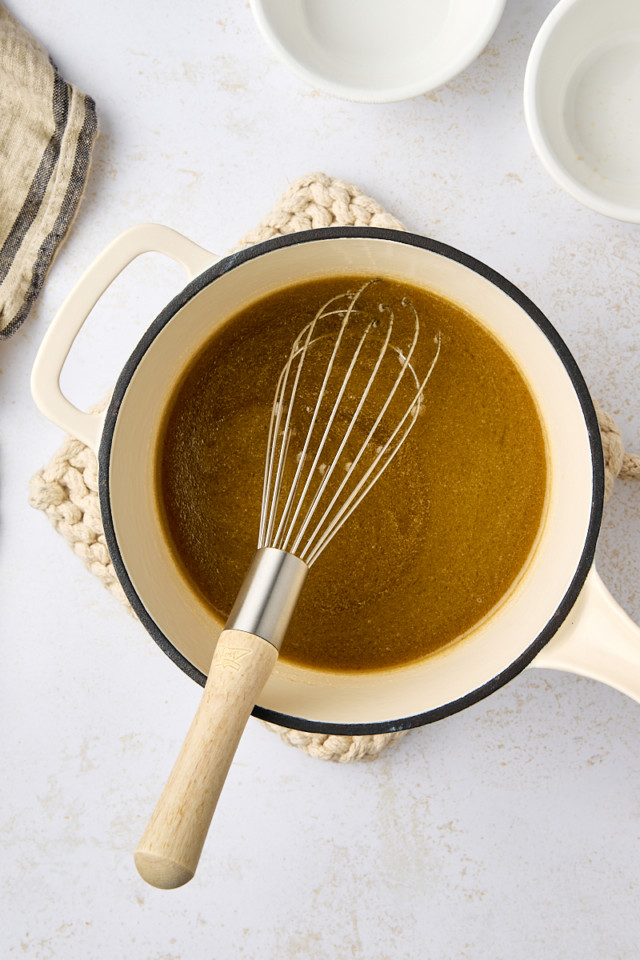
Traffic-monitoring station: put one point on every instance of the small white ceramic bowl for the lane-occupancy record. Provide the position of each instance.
(376, 51)
(582, 102)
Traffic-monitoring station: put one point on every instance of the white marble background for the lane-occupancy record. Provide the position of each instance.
(508, 832)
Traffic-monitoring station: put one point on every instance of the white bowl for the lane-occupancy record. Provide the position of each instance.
(377, 51)
(582, 102)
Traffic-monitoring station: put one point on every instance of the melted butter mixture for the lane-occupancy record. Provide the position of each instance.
(437, 542)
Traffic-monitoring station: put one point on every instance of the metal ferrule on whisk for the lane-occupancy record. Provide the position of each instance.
(268, 596)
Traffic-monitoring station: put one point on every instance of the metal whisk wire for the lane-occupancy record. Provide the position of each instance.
(286, 529)
(268, 514)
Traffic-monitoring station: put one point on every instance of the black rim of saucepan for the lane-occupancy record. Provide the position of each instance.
(586, 559)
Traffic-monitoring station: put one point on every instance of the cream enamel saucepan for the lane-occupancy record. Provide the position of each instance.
(559, 614)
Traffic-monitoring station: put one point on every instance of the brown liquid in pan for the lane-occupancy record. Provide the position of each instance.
(433, 547)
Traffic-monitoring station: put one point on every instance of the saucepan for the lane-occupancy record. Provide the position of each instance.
(558, 615)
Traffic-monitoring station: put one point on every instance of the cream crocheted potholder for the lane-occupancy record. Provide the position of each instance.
(67, 489)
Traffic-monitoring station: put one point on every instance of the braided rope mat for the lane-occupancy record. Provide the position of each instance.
(67, 489)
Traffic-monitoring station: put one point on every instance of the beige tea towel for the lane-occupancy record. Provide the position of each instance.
(47, 130)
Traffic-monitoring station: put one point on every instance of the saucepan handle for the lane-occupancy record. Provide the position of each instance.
(597, 640)
(67, 323)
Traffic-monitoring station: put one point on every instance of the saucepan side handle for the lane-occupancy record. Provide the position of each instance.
(597, 640)
(67, 323)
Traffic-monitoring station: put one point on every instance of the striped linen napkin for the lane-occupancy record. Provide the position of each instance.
(47, 130)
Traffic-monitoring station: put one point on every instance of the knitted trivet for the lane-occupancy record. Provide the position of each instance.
(67, 489)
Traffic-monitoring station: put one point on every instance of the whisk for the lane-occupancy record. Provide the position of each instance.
(345, 402)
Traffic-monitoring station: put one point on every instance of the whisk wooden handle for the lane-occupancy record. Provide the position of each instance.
(169, 850)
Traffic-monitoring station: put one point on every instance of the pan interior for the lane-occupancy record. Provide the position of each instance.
(439, 538)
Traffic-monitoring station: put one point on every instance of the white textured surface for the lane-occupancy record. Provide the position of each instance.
(508, 832)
